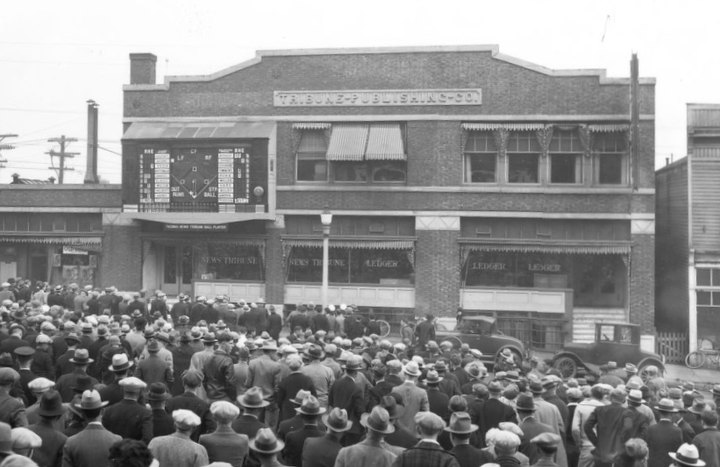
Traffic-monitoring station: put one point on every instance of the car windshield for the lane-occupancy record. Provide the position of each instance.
(476, 327)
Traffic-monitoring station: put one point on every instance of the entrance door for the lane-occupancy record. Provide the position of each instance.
(38, 268)
(177, 269)
(8, 269)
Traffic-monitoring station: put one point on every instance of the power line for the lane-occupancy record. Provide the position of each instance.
(5, 146)
(62, 155)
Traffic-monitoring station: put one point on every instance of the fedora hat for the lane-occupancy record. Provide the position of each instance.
(209, 338)
(81, 357)
(513, 376)
(716, 390)
(687, 454)
(635, 396)
(377, 420)
(698, 406)
(525, 402)
(310, 406)
(269, 345)
(51, 404)
(314, 351)
(72, 337)
(253, 399)
(89, 400)
(158, 392)
(265, 442)
(536, 387)
(393, 407)
(300, 396)
(120, 363)
(337, 420)
(440, 366)
(630, 368)
(354, 362)
(460, 422)
(432, 377)
(412, 369)
(666, 405)
(153, 346)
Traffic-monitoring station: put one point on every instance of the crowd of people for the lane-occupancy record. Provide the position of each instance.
(95, 378)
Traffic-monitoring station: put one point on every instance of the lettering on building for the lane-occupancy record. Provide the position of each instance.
(489, 266)
(543, 267)
(376, 98)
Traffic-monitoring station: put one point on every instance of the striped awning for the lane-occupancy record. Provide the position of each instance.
(311, 126)
(385, 143)
(609, 128)
(602, 249)
(506, 126)
(359, 244)
(198, 130)
(52, 240)
(348, 142)
(312, 142)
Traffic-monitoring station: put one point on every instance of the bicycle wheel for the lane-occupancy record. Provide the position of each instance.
(384, 328)
(695, 359)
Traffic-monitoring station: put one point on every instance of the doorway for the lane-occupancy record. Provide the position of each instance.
(177, 269)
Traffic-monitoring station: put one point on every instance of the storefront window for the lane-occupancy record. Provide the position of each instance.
(227, 261)
(708, 307)
(352, 265)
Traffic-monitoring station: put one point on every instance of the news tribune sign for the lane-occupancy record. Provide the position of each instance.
(378, 98)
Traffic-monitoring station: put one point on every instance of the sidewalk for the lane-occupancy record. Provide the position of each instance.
(703, 378)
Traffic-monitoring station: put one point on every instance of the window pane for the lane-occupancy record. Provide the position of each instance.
(523, 168)
(715, 277)
(390, 171)
(703, 298)
(703, 277)
(565, 168)
(388, 267)
(716, 298)
(312, 170)
(610, 169)
(481, 168)
(223, 261)
(350, 171)
(305, 265)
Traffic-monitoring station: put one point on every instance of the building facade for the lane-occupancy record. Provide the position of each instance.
(458, 177)
(688, 243)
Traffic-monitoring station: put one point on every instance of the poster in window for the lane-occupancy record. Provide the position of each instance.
(92, 261)
(57, 260)
(71, 274)
(87, 275)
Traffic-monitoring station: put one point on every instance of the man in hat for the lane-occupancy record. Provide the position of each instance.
(80, 360)
(12, 411)
(664, 437)
(529, 425)
(291, 384)
(159, 303)
(264, 372)
(14, 340)
(94, 349)
(153, 369)
(224, 445)
(687, 455)
(38, 386)
(437, 400)
(321, 376)
(310, 412)
(23, 357)
(199, 359)
(182, 355)
(323, 451)
(460, 429)
(90, 447)
(42, 363)
(177, 449)
(253, 404)
(416, 399)
(425, 331)
(128, 418)
(427, 452)
(708, 440)
(162, 421)
(640, 422)
(295, 423)
(547, 446)
(613, 424)
(549, 414)
(581, 415)
(550, 384)
(136, 337)
(220, 381)
(265, 447)
(189, 400)
(494, 411)
(120, 367)
(50, 410)
(345, 394)
(401, 437)
(372, 450)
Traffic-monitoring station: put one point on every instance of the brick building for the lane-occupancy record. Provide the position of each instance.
(458, 178)
(688, 234)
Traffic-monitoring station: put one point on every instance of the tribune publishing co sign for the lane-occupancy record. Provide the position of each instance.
(377, 98)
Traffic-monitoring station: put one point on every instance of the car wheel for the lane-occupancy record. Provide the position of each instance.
(456, 343)
(643, 374)
(566, 366)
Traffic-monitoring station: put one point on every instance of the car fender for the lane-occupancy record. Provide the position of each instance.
(572, 355)
(652, 361)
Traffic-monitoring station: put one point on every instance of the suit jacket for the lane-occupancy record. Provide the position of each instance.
(294, 442)
(162, 422)
(190, 401)
(288, 389)
(112, 393)
(366, 453)
(224, 445)
(401, 437)
(381, 389)
(274, 325)
(129, 419)
(491, 413)
(438, 402)
(178, 451)
(181, 362)
(663, 437)
(531, 428)
(708, 444)
(320, 452)
(614, 425)
(345, 394)
(425, 332)
(26, 375)
(66, 383)
(426, 454)
(469, 456)
(247, 425)
(264, 372)
(89, 448)
(640, 424)
(416, 400)
(562, 408)
(42, 364)
(220, 377)
(51, 452)
(155, 370)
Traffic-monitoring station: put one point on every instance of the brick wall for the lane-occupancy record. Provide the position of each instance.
(70, 196)
(121, 263)
(642, 282)
(274, 270)
(437, 272)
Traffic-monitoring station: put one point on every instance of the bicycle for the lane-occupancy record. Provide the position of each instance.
(697, 358)
(384, 328)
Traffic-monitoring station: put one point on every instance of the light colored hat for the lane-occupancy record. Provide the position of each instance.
(429, 422)
(41, 384)
(224, 410)
(43, 339)
(266, 442)
(185, 419)
(133, 384)
(687, 454)
(22, 438)
(378, 420)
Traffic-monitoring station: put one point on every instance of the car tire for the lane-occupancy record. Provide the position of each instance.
(456, 343)
(567, 366)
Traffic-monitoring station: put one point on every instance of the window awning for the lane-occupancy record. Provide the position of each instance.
(312, 142)
(361, 244)
(311, 126)
(506, 126)
(385, 143)
(615, 248)
(198, 130)
(52, 240)
(348, 142)
(608, 128)
(214, 218)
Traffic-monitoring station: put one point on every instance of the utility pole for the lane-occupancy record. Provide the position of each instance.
(5, 146)
(62, 155)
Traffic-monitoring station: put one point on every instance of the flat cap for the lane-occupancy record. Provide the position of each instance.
(8, 376)
(185, 418)
(547, 440)
(132, 383)
(43, 339)
(429, 422)
(41, 384)
(24, 351)
(22, 438)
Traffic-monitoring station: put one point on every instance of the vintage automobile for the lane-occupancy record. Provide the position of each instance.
(480, 332)
(616, 342)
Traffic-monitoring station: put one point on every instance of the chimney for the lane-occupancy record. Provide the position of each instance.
(16, 179)
(667, 161)
(142, 68)
(51, 180)
(92, 147)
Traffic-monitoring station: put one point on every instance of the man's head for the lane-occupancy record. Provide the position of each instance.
(224, 412)
(506, 443)
(428, 425)
(132, 387)
(618, 396)
(709, 418)
(185, 420)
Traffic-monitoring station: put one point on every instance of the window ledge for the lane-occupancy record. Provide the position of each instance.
(491, 188)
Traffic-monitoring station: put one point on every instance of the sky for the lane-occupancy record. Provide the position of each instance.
(54, 56)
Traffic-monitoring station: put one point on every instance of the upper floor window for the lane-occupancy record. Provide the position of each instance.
(611, 159)
(523, 155)
(566, 157)
(480, 158)
(355, 153)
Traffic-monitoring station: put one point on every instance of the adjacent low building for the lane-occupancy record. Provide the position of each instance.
(458, 177)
